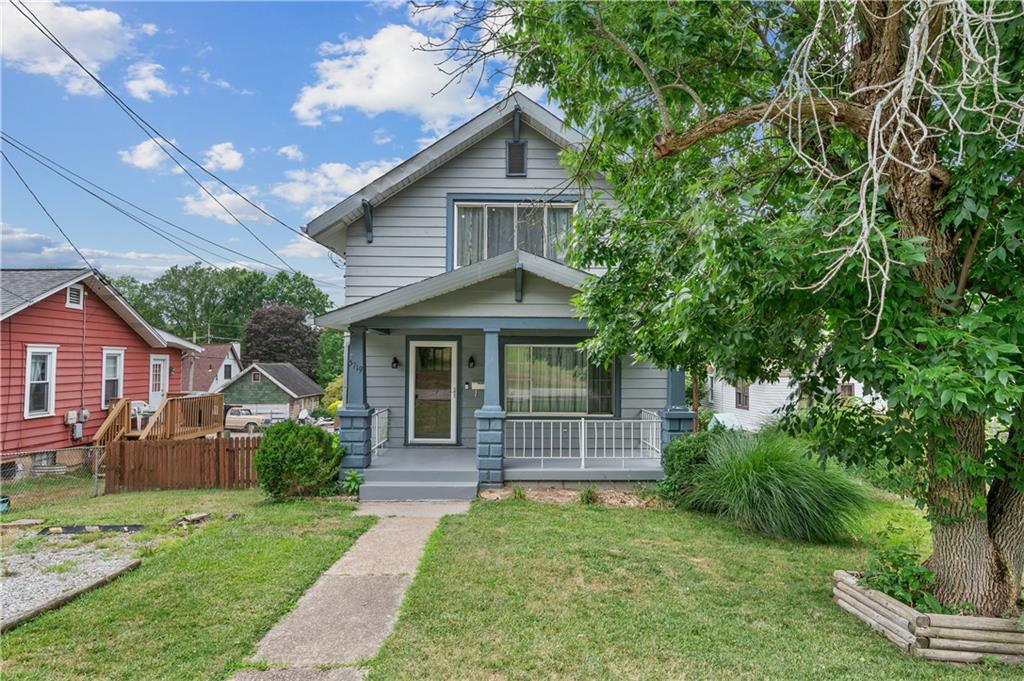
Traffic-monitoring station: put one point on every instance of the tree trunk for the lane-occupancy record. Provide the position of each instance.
(971, 556)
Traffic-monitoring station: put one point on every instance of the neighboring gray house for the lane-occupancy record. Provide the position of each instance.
(462, 365)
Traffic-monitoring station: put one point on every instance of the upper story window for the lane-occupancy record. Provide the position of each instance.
(484, 230)
(40, 380)
(227, 371)
(742, 395)
(75, 297)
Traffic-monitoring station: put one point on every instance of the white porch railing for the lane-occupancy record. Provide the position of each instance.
(379, 429)
(601, 442)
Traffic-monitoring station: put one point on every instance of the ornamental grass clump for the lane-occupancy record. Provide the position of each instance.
(765, 482)
(297, 460)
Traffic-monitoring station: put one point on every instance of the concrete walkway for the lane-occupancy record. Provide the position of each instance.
(346, 616)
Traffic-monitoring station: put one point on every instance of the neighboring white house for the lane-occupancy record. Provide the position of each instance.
(753, 405)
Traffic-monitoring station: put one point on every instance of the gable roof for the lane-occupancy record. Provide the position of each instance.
(200, 370)
(440, 152)
(23, 288)
(454, 280)
(285, 376)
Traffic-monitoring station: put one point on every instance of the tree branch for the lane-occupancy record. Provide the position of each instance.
(666, 119)
(855, 117)
(965, 269)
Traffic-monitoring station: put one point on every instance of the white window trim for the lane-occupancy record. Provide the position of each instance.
(105, 399)
(515, 205)
(569, 414)
(81, 297)
(51, 378)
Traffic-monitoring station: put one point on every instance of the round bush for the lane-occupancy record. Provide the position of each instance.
(765, 482)
(297, 460)
(681, 459)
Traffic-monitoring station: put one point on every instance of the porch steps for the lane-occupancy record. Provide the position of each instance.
(418, 490)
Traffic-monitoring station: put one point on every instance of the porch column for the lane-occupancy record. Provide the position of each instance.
(354, 413)
(490, 418)
(676, 418)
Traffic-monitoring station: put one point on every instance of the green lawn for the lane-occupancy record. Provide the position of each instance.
(200, 600)
(521, 590)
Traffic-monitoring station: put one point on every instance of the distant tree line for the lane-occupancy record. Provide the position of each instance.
(216, 305)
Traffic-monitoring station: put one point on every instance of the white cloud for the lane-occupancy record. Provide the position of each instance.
(209, 79)
(300, 247)
(320, 188)
(149, 29)
(385, 72)
(223, 156)
(147, 155)
(433, 16)
(382, 136)
(143, 81)
(199, 203)
(291, 152)
(95, 36)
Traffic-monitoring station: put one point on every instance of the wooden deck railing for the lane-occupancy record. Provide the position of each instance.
(117, 423)
(181, 417)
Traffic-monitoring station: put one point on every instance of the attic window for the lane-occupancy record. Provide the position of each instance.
(255, 377)
(75, 295)
(515, 158)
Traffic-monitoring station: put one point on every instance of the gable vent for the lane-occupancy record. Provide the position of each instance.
(515, 159)
(74, 299)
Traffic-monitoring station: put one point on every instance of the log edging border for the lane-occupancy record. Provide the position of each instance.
(931, 636)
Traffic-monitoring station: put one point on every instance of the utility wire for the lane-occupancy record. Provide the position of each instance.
(64, 172)
(158, 138)
(48, 214)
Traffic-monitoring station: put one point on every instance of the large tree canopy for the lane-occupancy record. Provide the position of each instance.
(279, 333)
(832, 188)
(215, 305)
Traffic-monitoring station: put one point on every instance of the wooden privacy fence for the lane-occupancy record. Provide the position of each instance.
(140, 465)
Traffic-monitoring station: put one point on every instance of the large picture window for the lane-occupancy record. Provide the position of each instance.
(485, 230)
(40, 380)
(113, 375)
(555, 380)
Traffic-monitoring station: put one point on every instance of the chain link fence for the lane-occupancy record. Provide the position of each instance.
(54, 478)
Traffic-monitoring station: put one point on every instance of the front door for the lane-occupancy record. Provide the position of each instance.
(158, 370)
(432, 384)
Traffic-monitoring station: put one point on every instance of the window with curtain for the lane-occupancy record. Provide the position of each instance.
(113, 374)
(486, 230)
(555, 380)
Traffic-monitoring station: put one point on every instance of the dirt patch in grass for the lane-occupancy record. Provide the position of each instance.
(559, 495)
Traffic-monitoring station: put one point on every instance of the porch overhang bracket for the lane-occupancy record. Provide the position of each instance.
(368, 220)
(519, 282)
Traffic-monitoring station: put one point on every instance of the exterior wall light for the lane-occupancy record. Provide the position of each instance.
(472, 362)
(395, 363)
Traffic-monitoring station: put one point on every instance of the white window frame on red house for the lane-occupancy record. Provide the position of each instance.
(51, 378)
(81, 297)
(104, 397)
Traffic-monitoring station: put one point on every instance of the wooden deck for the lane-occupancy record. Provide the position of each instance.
(179, 417)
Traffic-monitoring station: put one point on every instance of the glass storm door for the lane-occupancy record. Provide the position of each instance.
(432, 382)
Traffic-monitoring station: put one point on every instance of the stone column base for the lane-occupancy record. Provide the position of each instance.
(676, 422)
(490, 445)
(354, 432)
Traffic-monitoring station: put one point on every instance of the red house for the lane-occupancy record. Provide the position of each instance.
(70, 346)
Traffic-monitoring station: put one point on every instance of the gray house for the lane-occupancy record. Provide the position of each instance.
(463, 365)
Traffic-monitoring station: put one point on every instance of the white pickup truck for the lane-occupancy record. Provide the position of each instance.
(242, 419)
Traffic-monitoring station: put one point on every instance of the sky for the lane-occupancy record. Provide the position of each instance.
(295, 104)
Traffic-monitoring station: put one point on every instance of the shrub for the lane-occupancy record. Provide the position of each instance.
(588, 495)
(765, 482)
(894, 568)
(351, 483)
(517, 493)
(321, 413)
(680, 461)
(297, 460)
(332, 393)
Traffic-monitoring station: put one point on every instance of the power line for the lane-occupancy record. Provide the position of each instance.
(146, 127)
(64, 172)
(48, 214)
